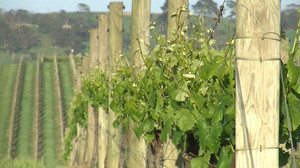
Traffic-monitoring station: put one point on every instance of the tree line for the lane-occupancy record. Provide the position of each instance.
(21, 30)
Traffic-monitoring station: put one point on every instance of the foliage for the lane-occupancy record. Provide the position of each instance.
(18, 38)
(291, 75)
(94, 91)
(186, 91)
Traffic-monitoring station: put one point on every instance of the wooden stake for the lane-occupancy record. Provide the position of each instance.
(115, 48)
(139, 31)
(103, 41)
(257, 83)
(171, 153)
(73, 65)
(103, 115)
(173, 7)
(94, 59)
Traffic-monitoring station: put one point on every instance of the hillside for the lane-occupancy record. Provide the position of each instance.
(30, 35)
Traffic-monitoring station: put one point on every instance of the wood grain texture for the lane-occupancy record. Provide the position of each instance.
(173, 6)
(103, 41)
(140, 22)
(257, 94)
(114, 51)
(103, 63)
(94, 59)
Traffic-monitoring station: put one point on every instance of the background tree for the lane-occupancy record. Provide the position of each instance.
(230, 4)
(209, 7)
(83, 7)
(289, 16)
(162, 19)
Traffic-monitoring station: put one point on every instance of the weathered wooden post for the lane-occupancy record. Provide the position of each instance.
(103, 41)
(140, 20)
(171, 154)
(73, 65)
(173, 7)
(92, 139)
(103, 63)
(94, 59)
(257, 83)
(114, 51)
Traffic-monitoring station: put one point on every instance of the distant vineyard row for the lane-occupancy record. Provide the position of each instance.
(34, 130)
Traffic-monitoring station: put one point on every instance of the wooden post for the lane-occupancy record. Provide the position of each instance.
(103, 41)
(114, 51)
(257, 83)
(73, 65)
(173, 6)
(103, 115)
(91, 156)
(94, 60)
(171, 154)
(85, 64)
(139, 31)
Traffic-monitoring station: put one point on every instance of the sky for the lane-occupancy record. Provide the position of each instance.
(49, 6)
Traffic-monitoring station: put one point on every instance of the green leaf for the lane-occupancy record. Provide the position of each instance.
(181, 95)
(293, 72)
(201, 162)
(159, 104)
(138, 131)
(148, 125)
(176, 138)
(166, 131)
(130, 107)
(113, 105)
(213, 142)
(185, 120)
(225, 158)
(116, 123)
(149, 137)
(203, 131)
(217, 117)
(152, 101)
(196, 63)
(168, 114)
(294, 110)
(198, 101)
(230, 111)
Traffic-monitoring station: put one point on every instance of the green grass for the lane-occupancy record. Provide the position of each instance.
(8, 74)
(21, 163)
(66, 84)
(50, 117)
(25, 135)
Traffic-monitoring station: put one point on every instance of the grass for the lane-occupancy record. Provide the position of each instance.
(7, 78)
(25, 135)
(21, 163)
(66, 84)
(50, 117)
